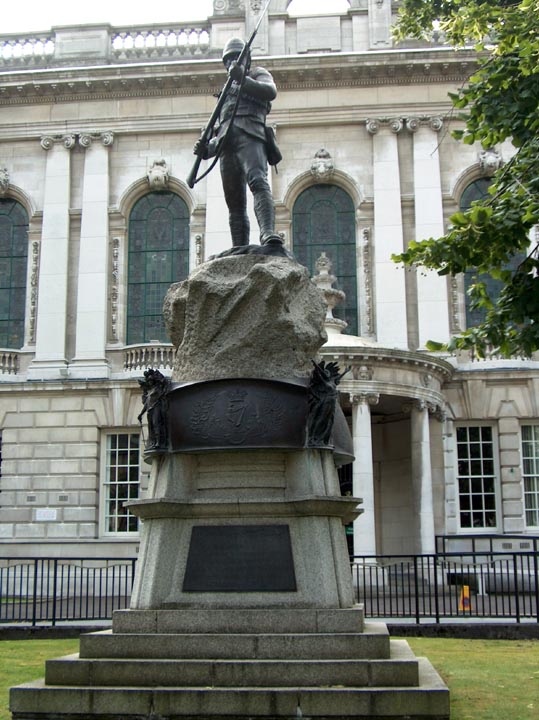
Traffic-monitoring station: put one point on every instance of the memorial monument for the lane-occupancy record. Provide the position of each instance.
(243, 603)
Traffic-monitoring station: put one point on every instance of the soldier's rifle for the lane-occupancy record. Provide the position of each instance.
(207, 134)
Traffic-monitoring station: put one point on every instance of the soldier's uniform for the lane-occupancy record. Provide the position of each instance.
(244, 159)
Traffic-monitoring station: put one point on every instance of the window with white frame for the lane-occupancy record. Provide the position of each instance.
(530, 473)
(121, 482)
(476, 477)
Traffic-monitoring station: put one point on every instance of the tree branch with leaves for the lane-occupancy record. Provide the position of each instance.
(500, 102)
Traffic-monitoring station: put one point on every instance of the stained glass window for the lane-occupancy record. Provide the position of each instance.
(13, 262)
(158, 256)
(323, 220)
(477, 190)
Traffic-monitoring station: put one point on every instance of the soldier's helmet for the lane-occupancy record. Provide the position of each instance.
(233, 47)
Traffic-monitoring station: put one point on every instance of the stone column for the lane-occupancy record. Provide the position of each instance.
(422, 476)
(363, 476)
(50, 357)
(391, 325)
(91, 329)
(432, 296)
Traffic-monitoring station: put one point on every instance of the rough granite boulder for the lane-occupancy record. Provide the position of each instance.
(246, 316)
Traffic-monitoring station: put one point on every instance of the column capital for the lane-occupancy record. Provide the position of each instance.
(414, 404)
(394, 124)
(107, 138)
(86, 139)
(47, 141)
(370, 399)
(414, 122)
(372, 126)
(438, 411)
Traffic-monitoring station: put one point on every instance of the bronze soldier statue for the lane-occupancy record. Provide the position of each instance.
(245, 145)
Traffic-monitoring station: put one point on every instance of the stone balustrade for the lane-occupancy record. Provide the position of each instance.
(29, 50)
(148, 355)
(9, 362)
(358, 30)
(159, 43)
(108, 44)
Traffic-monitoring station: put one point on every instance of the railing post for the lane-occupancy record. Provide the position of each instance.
(436, 590)
(34, 594)
(54, 589)
(416, 590)
(515, 580)
(536, 577)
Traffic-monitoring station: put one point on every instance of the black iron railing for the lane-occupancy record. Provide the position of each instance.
(430, 588)
(50, 590)
(425, 588)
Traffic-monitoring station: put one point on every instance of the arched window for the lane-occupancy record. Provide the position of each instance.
(13, 262)
(477, 190)
(158, 256)
(323, 220)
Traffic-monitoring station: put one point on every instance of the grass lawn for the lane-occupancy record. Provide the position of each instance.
(23, 660)
(488, 679)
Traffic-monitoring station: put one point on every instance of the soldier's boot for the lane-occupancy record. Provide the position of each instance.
(239, 228)
(265, 214)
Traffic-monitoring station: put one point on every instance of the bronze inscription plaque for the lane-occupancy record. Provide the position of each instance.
(240, 558)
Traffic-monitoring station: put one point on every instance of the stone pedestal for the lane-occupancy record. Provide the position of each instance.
(243, 601)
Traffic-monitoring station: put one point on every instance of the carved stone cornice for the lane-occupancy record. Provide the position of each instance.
(170, 78)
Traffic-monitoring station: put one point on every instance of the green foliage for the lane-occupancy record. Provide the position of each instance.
(500, 102)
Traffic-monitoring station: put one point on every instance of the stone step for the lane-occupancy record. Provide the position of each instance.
(233, 621)
(401, 669)
(430, 699)
(372, 643)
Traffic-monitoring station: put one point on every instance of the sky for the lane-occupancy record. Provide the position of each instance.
(35, 15)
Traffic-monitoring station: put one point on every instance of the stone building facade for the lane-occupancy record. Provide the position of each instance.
(97, 126)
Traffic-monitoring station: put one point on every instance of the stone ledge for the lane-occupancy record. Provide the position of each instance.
(230, 621)
(373, 643)
(401, 669)
(343, 507)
